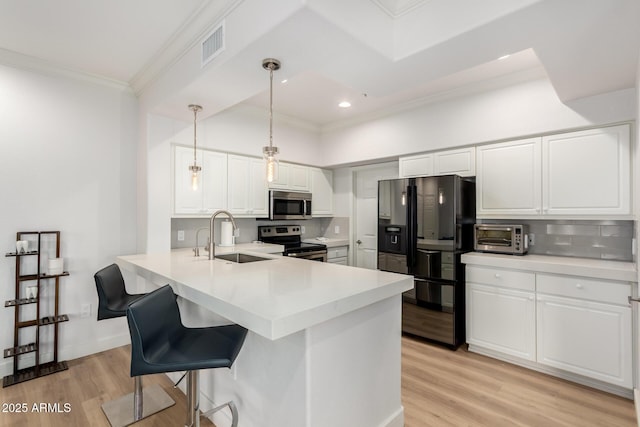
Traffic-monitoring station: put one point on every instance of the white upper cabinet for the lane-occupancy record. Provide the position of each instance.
(455, 162)
(247, 186)
(291, 177)
(420, 165)
(587, 172)
(450, 162)
(576, 174)
(508, 178)
(322, 191)
(211, 193)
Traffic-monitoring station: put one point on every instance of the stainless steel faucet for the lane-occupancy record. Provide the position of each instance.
(196, 250)
(212, 242)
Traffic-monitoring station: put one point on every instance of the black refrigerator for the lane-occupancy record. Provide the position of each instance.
(424, 225)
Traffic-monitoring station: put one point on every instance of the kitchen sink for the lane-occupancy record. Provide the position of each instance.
(241, 258)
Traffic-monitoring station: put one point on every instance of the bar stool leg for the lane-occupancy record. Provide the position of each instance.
(193, 400)
(137, 399)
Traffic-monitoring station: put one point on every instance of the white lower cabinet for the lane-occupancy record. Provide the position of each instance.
(338, 255)
(585, 327)
(501, 313)
(577, 325)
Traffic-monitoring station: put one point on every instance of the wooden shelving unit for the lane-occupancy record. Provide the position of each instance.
(45, 315)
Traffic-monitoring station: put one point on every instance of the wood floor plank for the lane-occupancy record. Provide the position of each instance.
(440, 387)
(87, 384)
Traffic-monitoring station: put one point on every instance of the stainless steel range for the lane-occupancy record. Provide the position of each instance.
(290, 237)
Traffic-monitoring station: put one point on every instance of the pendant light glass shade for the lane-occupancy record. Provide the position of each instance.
(194, 168)
(270, 150)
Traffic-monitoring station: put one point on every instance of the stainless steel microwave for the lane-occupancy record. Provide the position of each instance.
(289, 205)
(501, 238)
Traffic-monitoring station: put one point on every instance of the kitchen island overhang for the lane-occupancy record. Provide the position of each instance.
(324, 346)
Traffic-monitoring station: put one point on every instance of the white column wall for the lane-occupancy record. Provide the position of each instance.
(507, 113)
(68, 163)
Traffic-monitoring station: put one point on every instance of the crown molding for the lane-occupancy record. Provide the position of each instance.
(31, 63)
(201, 22)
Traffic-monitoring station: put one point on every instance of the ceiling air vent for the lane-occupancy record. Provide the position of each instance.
(213, 44)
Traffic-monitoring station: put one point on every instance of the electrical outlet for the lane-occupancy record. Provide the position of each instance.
(85, 310)
(532, 239)
(302, 229)
(180, 235)
(336, 229)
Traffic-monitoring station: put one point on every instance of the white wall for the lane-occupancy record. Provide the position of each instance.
(68, 152)
(507, 113)
(241, 130)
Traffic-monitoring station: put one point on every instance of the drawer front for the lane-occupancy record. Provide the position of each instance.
(583, 288)
(337, 252)
(504, 278)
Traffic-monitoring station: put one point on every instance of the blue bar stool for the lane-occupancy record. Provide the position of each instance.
(113, 301)
(161, 343)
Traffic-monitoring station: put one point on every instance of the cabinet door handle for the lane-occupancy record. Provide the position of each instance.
(632, 299)
(358, 241)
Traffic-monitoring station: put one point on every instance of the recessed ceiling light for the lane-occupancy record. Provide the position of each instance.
(344, 104)
(284, 81)
(503, 57)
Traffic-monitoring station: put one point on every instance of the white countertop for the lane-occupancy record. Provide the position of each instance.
(331, 243)
(586, 267)
(272, 298)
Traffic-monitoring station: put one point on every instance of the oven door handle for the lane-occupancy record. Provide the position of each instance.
(306, 254)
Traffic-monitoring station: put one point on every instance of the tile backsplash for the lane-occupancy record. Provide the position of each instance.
(248, 229)
(610, 240)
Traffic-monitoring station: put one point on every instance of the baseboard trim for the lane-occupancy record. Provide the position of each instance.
(636, 403)
(396, 419)
(569, 376)
(68, 352)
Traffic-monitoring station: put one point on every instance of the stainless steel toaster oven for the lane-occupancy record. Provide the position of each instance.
(501, 238)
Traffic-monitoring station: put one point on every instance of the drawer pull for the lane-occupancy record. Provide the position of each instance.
(579, 286)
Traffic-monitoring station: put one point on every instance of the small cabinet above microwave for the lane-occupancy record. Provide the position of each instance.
(291, 177)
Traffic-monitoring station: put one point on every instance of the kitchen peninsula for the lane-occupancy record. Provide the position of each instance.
(324, 339)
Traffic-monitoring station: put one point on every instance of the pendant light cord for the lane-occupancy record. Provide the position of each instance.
(270, 105)
(195, 115)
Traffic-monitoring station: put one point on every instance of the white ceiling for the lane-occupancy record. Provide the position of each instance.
(397, 52)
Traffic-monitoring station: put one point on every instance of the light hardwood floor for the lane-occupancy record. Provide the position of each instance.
(439, 388)
(86, 385)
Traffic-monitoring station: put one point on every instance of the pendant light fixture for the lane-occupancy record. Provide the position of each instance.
(270, 151)
(194, 168)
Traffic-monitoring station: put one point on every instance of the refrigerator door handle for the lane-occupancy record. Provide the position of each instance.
(410, 231)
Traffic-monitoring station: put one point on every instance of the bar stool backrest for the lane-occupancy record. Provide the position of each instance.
(153, 319)
(111, 292)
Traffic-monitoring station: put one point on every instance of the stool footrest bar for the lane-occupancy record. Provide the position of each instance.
(232, 407)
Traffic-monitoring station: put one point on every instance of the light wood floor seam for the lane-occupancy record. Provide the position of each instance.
(440, 387)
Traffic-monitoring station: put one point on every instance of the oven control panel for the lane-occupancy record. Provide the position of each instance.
(279, 230)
